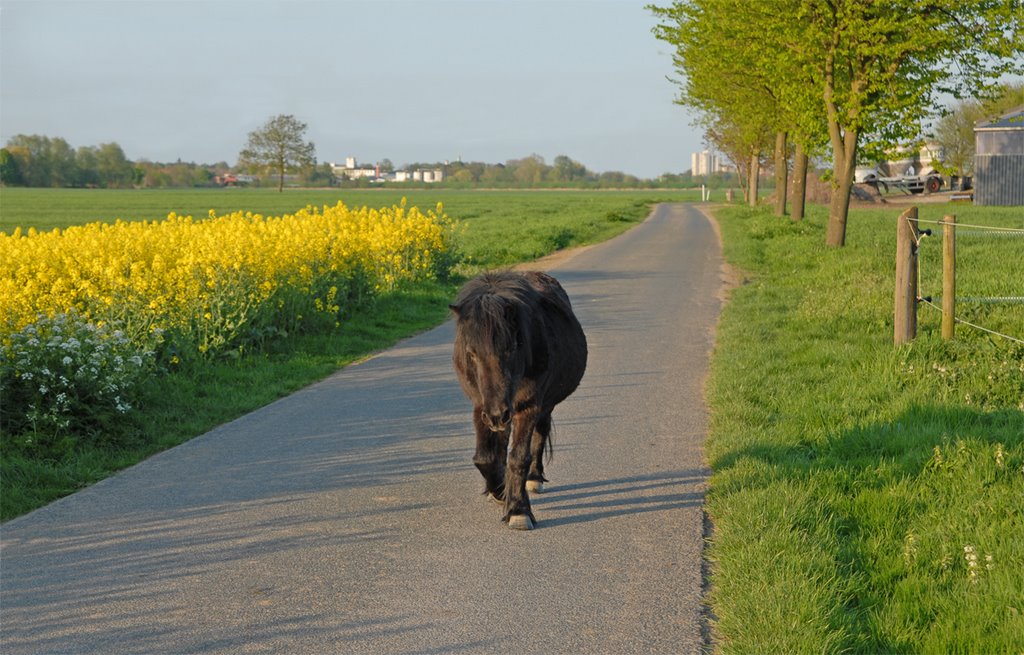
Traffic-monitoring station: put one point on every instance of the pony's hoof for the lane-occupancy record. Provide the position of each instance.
(494, 498)
(520, 522)
(535, 486)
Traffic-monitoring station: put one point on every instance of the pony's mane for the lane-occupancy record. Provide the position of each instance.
(485, 308)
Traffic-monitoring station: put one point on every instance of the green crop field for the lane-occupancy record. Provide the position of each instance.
(866, 498)
(504, 227)
(501, 227)
(497, 229)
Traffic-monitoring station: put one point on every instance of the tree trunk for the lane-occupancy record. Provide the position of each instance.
(781, 172)
(280, 181)
(838, 209)
(755, 173)
(844, 160)
(741, 175)
(799, 183)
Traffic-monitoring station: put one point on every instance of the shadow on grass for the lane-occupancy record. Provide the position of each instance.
(892, 504)
(908, 442)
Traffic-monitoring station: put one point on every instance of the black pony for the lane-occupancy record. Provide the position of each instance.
(519, 351)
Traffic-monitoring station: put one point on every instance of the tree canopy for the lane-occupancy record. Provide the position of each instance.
(849, 73)
(278, 145)
(41, 161)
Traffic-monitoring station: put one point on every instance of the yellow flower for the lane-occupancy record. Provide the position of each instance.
(169, 275)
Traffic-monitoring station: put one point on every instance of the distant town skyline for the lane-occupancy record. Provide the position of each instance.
(710, 162)
(409, 81)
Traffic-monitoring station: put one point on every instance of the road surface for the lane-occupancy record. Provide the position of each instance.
(348, 517)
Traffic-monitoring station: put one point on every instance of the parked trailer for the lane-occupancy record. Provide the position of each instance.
(913, 183)
(930, 181)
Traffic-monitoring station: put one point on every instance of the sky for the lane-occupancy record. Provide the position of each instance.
(419, 81)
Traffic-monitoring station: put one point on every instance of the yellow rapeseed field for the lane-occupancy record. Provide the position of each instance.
(215, 282)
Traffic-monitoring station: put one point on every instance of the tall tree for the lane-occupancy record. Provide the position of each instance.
(10, 173)
(873, 70)
(884, 65)
(781, 173)
(44, 162)
(86, 169)
(62, 163)
(800, 161)
(566, 169)
(529, 171)
(279, 146)
(32, 153)
(113, 168)
(745, 88)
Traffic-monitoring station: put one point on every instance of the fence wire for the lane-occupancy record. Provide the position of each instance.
(968, 323)
(980, 230)
(993, 228)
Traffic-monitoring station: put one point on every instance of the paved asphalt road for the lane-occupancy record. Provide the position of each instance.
(348, 517)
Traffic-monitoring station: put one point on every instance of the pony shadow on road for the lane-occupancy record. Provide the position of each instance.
(598, 500)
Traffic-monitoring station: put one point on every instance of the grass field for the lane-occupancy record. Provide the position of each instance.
(498, 229)
(865, 498)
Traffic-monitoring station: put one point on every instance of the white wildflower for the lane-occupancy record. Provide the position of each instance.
(972, 563)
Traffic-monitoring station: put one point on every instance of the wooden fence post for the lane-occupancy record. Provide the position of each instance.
(948, 276)
(905, 323)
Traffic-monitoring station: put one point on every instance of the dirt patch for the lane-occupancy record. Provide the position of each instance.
(920, 198)
(820, 192)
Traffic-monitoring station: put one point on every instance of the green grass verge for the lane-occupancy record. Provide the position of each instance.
(498, 229)
(179, 406)
(853, 481)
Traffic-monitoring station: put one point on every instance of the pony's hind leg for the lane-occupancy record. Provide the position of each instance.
(540, 441)
(491, 451)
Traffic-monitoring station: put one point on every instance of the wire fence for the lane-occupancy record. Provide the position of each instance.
(981, 231)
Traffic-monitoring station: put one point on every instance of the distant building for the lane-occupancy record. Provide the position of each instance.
(999, 160)
(708, 162)
(428, 175)
(231, 179)
(703, 163)
(352, 171)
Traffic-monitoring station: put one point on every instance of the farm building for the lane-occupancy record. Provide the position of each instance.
(999, 160)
